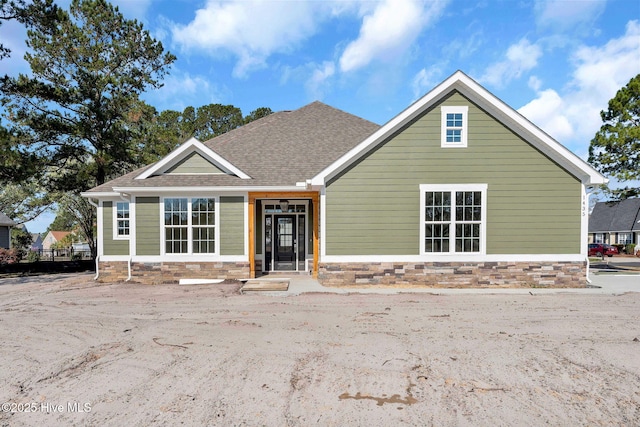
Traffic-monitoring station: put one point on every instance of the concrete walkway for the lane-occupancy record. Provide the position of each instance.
(613, 283)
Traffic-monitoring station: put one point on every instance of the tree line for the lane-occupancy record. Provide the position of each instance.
(78, 120)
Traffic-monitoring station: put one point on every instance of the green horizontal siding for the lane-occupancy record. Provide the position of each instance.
(533, 205)
(147, 226)
(110, 246)
(194, 163)
(232, 225)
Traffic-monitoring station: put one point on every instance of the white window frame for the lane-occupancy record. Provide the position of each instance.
(114, 210)
(190, 253)
(457, 109)
(598, 237)
(628, 240)
(453, 188)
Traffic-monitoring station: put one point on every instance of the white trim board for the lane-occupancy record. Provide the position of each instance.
(188, 147)
(330, 259)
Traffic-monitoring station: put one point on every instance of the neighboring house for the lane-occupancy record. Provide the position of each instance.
(52, 238)
(615, 222)
(459, 189)
(5, 231)
(36, 242)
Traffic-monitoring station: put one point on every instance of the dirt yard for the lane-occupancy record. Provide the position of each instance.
(77, 353)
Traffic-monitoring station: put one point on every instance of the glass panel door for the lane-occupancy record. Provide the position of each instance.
(284, 248)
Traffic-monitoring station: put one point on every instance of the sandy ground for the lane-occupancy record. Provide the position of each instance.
(77, 353)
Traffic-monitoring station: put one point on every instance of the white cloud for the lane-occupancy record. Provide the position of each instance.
(319, 77)
(251, 30)
(425, 80)
(547, 111)
(560, 15)
(535, 83)
(182, 90)
(520, 57)
(573, 117)
(133, 9)
(388, 31)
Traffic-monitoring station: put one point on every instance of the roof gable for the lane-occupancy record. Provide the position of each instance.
(622, 216)
(477, 94)
(279, 151)
(6, 221)
(57, 235)
(194, 163)
(184, 153)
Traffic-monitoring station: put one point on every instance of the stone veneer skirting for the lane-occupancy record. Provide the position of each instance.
(456, 274)
(153, 273)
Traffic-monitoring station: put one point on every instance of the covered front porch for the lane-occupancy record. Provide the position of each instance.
(283, 232)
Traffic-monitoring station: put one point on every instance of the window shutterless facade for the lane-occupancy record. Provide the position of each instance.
(189, 225)
(121, 225)
(454, 126)
(453, 219)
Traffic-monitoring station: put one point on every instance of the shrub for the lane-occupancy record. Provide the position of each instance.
(33, 256)
(76, 257)
(630, 248)
(620, 247)
(8, 256)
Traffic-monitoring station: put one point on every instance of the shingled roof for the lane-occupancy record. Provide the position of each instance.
(6, 221)
(622, 216)
(278, 150)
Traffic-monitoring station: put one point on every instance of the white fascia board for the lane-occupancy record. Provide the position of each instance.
(330, 259)
(211, 258)
(191, 190)
(187, 148)
(99, 195)
(510, 117)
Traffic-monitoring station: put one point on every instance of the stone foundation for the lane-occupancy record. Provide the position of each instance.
(456, 274)
(153, 273)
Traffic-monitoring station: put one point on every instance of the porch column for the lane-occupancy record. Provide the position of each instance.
(252, 240)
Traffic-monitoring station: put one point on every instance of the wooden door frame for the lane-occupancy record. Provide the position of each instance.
(314, 196)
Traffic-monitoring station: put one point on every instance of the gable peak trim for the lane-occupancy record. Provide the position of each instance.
(507, 115)
(187, 148)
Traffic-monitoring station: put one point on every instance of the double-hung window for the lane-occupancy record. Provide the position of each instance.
(624, 238)
(121, 225)
(189, 225)
(454, 126)
(453, 218)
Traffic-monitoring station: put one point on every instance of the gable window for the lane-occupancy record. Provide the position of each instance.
(454, 126)
(453, 218)
(189, 225)
(121, 226)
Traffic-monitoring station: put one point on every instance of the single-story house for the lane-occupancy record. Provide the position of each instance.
(5, 231)
(52, 238)
(459, 189)
(615, 222)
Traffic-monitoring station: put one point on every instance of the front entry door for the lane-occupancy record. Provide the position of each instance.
(285, 243)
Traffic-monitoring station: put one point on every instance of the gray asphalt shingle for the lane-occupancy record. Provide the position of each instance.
(278, 150)
(615, 216)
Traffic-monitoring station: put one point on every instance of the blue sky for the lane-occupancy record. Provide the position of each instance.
(558, 62)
